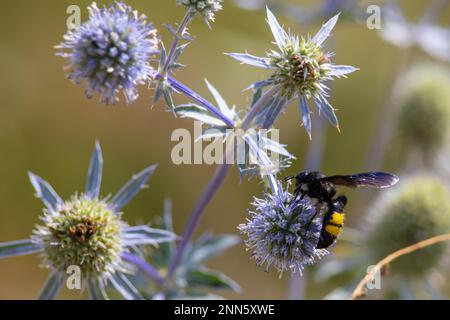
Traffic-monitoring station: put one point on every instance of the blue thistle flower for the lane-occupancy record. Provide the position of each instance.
(88, 232)
(282, 233)
(300, 70)
(111, 52)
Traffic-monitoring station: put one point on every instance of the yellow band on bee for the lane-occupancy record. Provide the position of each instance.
(333, 230)
(337, 219)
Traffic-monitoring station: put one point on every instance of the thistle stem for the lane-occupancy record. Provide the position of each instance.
(144, 266)
(196, 214)
(178, 86)
(182, 28)
(214, 185)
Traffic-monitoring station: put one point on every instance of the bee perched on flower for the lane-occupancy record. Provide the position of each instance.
(111, 52)
(300, 69)
(87, 232)
(283, 231)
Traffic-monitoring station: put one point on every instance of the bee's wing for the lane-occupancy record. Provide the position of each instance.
(368, 179)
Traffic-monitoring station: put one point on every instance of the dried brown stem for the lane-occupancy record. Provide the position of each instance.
(360, 290)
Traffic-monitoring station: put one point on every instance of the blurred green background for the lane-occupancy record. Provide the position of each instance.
(49, 127)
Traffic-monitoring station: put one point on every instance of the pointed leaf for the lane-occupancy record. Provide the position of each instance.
(52, 287)
(305, 114)
(45, 192)
(132, 187)
(327, 110)
(325, 31)
(209, 246)
(95, 173)
(221, 103)
(125, 287)
(140, 235)
(278, 32)
(199, 113)
(210, 279)
(251, 60)
(341, 71)
(96, 290)
(18, 248)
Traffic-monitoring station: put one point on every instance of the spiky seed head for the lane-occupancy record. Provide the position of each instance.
(417, 210)
(83, 232)
(424, 113)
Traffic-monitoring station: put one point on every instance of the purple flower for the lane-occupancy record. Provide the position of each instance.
(283, 232)
(111, 52)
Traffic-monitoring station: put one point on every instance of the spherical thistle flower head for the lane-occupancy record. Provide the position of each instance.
(87, 233)
(283, 232)
(417, 210)
(207, 8)
(300, 69)
(424, 109)
(82, 232)
(111, 52)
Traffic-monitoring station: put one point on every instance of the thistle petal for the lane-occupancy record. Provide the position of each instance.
(324, 106)
(18, 248)
(96, 290)
(95, 173)
(281, 37)
(52, 287)
(341, 70)
(325, 31)
(45, 192)
(251, 60)
(305, 114)
(131, 188)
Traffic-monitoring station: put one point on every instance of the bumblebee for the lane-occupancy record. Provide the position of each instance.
(322, 189)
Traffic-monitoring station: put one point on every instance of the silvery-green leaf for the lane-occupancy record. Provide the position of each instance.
(141, 235)
(96, 290)
(256, 96)
(325, 31)
(53, 285)
(199, 113)
(167, 93)
(168, 248)
(259, 84)
(281, 37)
(251, 60)
(274, 111)
(45, 192)
(341, 71)
(223, 106)
(132, 187)
(305, 114)
(207, 247)
(212, 133)
(258, 155)
(18, 248)
(95, 173)
(274, 146)
(126, 289)
(327, 110)
(210, 279)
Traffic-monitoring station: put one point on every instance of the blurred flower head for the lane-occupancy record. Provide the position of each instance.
(88, 232)
(300, 68)
(111, 52)
(207, 8)
(283, 232)
(403, 216)
(424, 115)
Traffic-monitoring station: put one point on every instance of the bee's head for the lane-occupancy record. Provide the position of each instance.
(306, 177)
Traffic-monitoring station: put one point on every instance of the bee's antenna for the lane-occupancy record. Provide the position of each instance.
(289, 178)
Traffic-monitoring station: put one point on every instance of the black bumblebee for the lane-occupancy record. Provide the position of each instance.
(321, 188)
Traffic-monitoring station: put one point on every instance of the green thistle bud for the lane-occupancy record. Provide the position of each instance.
(424, 111)
(406, 215)
(300, 67)
(82, 232)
